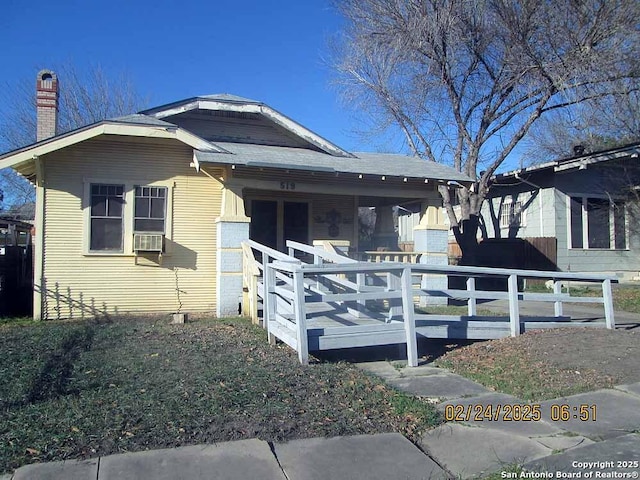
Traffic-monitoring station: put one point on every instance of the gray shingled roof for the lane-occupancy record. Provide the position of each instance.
(304, 159)
(311, 160)
(228, 97)
(140, 119)
(220, 97)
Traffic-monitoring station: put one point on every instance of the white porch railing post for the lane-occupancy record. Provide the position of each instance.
(514, 310)
(302, 339)
(557, 305)
(394, 284)
(409, 317)
(317, 260)
(269, 300)
(360, 282)
(607, 298)
(253, 299)
(471, 302)
(265, 291)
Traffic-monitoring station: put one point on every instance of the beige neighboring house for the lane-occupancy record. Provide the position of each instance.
(146, 213)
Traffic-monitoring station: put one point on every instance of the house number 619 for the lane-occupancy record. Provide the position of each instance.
(287, 186)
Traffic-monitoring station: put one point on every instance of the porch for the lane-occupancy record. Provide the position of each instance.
(315, 298)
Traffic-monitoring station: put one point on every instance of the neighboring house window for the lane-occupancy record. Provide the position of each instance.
(597, 223)
(106, 217)
(511, 215)
(150, 209)
(576, 222)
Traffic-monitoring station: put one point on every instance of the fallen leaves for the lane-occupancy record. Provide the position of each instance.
(537, 365)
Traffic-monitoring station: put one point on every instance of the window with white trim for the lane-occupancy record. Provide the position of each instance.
(511, 214)
(150, 210)
(106, 218)
(597, 222)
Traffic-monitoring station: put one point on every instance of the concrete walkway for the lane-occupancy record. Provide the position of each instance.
(466, 449)
(478, 447)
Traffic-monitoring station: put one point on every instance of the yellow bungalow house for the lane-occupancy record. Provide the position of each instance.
(146, 213)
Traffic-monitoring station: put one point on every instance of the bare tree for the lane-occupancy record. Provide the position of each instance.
(595, 125)
(465, 80)
(85, 97)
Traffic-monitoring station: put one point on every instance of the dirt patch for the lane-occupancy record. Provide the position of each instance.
(551, 363)
(611, 353)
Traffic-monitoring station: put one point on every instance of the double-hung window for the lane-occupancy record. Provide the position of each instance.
(597, 223)
(107, 202)
(150, 209)
(511, 214)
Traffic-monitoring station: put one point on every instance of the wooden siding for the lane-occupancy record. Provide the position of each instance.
(241, 128)
(77, 284)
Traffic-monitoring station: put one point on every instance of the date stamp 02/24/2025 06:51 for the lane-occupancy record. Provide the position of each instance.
(556, 413)
(519, 412)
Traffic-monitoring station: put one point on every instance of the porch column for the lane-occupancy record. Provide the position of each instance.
(232, 229)
(384, 233)
(431, 238)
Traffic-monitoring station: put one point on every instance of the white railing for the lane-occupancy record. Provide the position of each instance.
(266, 255)
(250, 274)
(388, 256)
(294, 314)
(290, 285)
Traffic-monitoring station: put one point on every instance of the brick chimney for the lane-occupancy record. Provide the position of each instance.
(46, 105)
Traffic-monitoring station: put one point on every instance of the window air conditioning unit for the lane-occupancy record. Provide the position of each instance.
(148, 242)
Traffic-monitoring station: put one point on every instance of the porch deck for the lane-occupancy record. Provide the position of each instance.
(330, 328)
(337, 302)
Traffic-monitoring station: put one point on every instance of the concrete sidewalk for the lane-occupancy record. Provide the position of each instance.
(384, 456)
(466, 449)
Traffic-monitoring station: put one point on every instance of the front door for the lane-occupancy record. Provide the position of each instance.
(273, 222)
(264, 222)
(296, 222)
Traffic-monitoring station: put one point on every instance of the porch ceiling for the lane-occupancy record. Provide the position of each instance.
(364, 201)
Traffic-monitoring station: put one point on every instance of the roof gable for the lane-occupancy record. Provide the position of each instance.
(229, 118)
(22, 159)
(238, 127)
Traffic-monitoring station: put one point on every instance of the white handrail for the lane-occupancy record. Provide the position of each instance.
(320, 252)
(290, 284)
(471, 294)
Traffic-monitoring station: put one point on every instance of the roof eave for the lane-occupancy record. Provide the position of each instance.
(626, 151)
(234, 160)
(303, 132)
(25, 155)
(583, 162)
